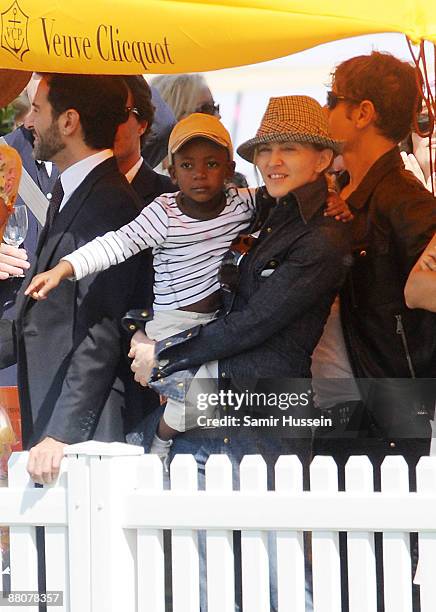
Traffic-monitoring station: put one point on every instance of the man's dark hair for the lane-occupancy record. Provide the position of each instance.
(389, 83)
(99, 100)
(141, 94)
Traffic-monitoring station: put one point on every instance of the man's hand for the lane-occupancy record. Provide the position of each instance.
(43, 283)
(338, 208)
(13, 261)
(45, 460)
(142, 353)
(428, 260)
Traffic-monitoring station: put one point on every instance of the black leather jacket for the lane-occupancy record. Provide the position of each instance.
(395, 217)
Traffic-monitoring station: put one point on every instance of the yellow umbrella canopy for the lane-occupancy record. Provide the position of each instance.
(170, 36)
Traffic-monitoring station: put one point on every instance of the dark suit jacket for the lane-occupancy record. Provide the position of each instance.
(149, 184)
(139, 400)
(68, 346)
(21, 140)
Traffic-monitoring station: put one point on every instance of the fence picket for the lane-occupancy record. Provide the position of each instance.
(219, 543)
(79, 533)
(185, 559)
(23, 553)
(426, 483)
(362, 586)
(56, 551)
(150, 550)
(397, 569)
(325, 544)
(254, 544)
(4, 559)
(112, 476)
(290, 544)
(4, 537)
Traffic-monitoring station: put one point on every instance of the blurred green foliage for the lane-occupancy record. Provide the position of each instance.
(7, 118)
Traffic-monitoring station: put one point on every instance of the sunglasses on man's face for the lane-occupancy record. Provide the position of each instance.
(133, 110)
(424, 123)
(333, 99)
(209, 108)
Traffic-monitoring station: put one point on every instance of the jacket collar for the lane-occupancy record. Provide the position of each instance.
(144, 182)
(309, 198)
(387, 162)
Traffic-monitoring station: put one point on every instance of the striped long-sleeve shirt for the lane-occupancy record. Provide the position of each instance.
(187, 252)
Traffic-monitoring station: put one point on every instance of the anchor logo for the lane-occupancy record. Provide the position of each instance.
(14, 31)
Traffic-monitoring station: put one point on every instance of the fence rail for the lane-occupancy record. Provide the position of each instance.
(105, 516)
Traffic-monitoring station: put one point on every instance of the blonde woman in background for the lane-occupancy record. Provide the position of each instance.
(185, 94)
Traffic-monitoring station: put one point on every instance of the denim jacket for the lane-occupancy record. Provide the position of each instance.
(288, 282)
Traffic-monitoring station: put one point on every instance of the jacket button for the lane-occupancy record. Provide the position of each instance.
(226, 440)
(223, 374)
(144, 314)
(189, 334)
(269, 230)
(362, 253)
(392, 444)
(132, 327)
(168, 343)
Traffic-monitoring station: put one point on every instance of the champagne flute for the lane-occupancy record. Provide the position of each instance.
(16, 228)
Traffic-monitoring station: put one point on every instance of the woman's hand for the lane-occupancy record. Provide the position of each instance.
(142, 353)
(43, 283)
(338, 208)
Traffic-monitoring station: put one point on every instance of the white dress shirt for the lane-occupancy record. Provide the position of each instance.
(73, 176)
(130, 175)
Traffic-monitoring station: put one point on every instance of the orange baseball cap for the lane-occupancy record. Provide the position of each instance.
(199, 125)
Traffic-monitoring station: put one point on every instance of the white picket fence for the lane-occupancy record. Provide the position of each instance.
(104, 522)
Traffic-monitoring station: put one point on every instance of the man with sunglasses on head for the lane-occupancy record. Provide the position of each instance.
(371, 109)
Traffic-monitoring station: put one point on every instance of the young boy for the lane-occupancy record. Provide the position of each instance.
(189, 231)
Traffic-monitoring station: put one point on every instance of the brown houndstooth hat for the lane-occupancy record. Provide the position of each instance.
(291, 118)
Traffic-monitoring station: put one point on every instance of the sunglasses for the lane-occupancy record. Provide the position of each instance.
(209, 108)
(228, 274)
(424, 123)
(333, 99)
(133, 110)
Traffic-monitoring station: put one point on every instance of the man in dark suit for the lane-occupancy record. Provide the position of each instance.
(130, 139)
(68, 348)
(130, 143)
